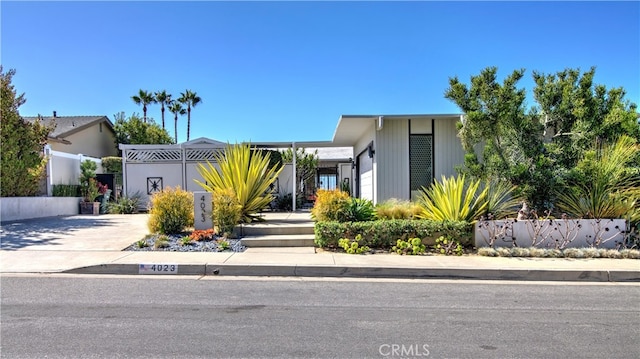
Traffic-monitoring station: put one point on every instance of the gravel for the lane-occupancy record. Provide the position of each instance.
(175, 245)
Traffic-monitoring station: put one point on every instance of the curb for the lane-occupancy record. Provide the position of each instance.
(372, 272)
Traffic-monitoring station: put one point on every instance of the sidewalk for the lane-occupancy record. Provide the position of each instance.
(93, 245)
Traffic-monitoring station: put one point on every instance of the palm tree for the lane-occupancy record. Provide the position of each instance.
(144, 98)
(191, 99)
(176, 108)
(163, 98)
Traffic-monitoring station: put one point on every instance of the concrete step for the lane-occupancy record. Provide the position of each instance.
(265, 229)
(280, 240)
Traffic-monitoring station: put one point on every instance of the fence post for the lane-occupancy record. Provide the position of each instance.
(47, 154)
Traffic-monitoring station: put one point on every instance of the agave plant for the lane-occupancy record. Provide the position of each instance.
(608, 187)
(453, 199)
(247, 172)
(501, 201)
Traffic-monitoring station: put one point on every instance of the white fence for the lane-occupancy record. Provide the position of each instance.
(64, 168)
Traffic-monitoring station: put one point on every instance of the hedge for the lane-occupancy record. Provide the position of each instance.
(384, 233)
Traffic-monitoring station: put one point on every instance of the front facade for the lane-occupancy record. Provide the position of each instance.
(396, 155)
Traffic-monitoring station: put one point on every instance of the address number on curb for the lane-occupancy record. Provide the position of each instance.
(158, 269)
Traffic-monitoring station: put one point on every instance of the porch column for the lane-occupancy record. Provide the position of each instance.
(295, 182)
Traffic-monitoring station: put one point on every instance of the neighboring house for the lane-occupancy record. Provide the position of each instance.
(396, 155)
(88, 135)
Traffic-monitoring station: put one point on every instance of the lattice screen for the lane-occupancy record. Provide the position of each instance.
(157, 155)
(202, 154)
(420, 161)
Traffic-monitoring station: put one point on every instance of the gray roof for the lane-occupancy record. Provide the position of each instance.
(68, 125)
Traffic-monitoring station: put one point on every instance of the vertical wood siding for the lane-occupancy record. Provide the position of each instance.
(392, 157)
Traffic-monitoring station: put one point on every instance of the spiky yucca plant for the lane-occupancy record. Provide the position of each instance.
(501, 202)
(608, 187)
(453, 199)
(247, 172)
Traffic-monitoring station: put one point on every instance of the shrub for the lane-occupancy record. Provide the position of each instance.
(353, 246)
(397, 209)
(66, 190)
(227, 211)
(453, 199)
(112, 164)
(202, 235)
(247, 172)
(358, 210)
(605, 184)
(223, 245)
(125, 205)
(161, 242)
(556, 253)
(171, 211)
(331, 205)
(412, 246)
(448, 246)
(385, 233)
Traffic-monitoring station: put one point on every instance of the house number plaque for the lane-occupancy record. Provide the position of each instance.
(202, 202)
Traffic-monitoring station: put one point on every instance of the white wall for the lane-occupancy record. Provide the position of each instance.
(392, 156)
(19, 208)
(137, 174)
(448, 148)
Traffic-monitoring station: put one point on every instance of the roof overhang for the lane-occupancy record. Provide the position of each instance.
(350, 128)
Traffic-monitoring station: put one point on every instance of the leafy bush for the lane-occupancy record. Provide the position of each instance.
(397, 209)
(358, 209)
(353, 246)
(412, 246)
(66, 190)
(223, 244)
(245, 171)
(385, 233)
(112, 164)
(331, 205)
(125, 205)
(453, 199)
(171, 211)
(227, 211)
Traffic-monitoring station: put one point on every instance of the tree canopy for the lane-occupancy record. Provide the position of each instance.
(134, 130)
(22, 159)
(536, 148)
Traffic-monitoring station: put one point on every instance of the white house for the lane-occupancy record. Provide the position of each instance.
(378, 156)
(396, 155)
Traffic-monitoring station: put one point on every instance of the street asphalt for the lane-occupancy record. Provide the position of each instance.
(94, 245)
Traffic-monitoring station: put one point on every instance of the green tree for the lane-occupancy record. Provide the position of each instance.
(176, 108)
(21, 156)
(191, 99)
(537, 148)
(498, 127)
(579, 114)
(144, 98)
(163, 98)
(306, 164)
(134, 130)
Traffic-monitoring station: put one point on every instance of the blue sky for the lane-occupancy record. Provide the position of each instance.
(284, 71)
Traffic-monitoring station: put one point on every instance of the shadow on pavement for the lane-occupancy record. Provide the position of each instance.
(44, 231)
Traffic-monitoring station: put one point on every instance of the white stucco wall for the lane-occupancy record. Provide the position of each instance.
(19, 208)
